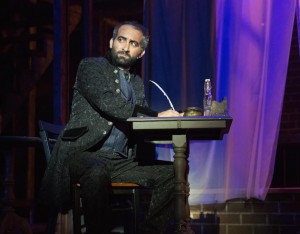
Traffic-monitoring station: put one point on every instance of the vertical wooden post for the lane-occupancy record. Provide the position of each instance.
(61, 61)
(147, 61)
(31, 119)
(87, 21)
(31, 150)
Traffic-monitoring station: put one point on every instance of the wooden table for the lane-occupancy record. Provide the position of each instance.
(178, 131)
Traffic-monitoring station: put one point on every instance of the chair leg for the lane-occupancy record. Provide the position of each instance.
(135, 209)
(52, 220)
(76, 210)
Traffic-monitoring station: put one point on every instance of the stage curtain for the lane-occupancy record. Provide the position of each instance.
(298, 20)
(243, 47)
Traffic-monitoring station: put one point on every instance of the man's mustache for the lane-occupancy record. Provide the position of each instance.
(123, 52)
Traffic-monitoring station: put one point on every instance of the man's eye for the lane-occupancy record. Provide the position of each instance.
(120, 39)
(134, 44)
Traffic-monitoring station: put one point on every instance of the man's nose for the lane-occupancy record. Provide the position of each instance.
(126, 46)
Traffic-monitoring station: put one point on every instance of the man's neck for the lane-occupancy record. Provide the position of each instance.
(124, 69)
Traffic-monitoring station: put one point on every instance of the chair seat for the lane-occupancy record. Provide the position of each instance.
(120, 185)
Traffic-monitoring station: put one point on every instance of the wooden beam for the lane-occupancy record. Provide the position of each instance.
(87, 20)
(61, 61)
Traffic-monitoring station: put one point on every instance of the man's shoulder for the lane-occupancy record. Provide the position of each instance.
(100, 60)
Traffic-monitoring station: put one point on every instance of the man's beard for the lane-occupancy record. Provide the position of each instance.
(122, 59)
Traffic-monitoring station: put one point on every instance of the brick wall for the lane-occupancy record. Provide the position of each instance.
(287, 173)
(290, 121)
(278, 214)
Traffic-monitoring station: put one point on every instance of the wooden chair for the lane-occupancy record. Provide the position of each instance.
(49, 133)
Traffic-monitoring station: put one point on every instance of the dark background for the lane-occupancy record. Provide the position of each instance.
(27, 33)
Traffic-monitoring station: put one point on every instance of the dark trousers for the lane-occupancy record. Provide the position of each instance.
(95, 171)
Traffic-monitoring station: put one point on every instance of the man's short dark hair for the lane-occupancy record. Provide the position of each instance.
(137, 26)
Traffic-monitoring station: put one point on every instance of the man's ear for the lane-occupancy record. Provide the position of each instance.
(141, 55)
(111, 41)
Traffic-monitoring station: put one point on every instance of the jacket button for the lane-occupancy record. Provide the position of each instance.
(109, 123)
(117, 81)
(104, 132)
(118, 90)
(115, 71)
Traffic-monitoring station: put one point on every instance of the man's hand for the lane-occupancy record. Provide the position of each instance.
(169, 113)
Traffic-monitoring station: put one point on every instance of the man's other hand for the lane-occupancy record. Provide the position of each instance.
(169, 113)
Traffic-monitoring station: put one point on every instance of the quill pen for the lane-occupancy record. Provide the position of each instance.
(160, 88)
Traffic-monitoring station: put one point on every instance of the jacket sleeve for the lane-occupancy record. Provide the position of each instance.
(96, 82)
(143, 111)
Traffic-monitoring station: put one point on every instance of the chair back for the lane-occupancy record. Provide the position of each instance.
(49, 133)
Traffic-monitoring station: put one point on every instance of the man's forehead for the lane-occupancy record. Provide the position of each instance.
(130, 32)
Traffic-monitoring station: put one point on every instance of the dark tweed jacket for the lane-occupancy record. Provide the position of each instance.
(97, 104)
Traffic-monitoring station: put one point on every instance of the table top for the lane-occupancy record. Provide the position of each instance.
(195, 127)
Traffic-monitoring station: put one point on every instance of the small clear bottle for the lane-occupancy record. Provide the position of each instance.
(207, 99)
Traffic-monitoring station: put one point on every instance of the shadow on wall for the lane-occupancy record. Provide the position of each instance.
(208, 223)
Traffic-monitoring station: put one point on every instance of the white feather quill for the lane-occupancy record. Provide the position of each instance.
(160, 88)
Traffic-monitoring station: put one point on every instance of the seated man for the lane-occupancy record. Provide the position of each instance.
(94, 148)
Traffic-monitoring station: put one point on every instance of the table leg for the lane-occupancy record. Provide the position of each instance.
(182, 210)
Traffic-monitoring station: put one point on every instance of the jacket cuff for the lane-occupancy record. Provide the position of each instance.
(141, 111)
